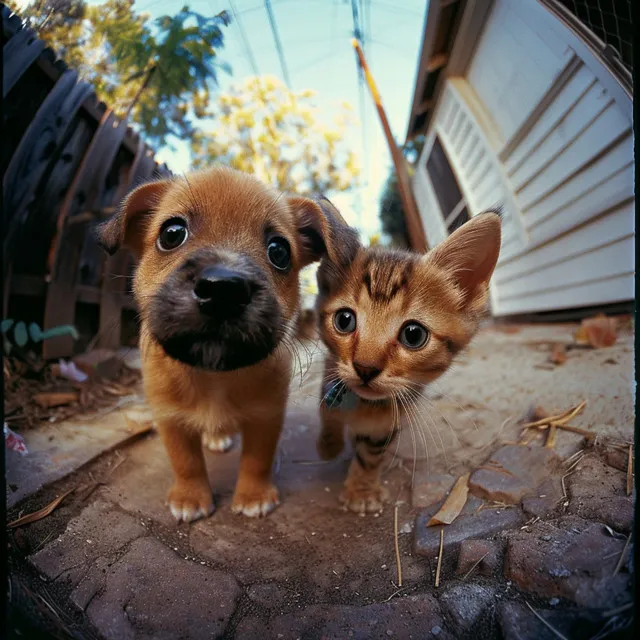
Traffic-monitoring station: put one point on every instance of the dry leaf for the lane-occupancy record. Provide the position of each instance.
(454, 503)
(136, 427)
(38, 515)
(55, 398)
(558, 354)
(597, 332)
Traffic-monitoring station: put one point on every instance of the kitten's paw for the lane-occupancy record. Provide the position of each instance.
(330, 445)
(217, 443)
(190, 501)
(256, 503)
(364, 500)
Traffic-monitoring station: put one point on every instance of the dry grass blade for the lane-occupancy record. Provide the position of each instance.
(618, 610)
(589, 435)
(440, 557)
(571, 413)
(622, 556)
(42, 513)
(454, 503)
(551, 437)
(395, 529)
(546, 624)
(630, 471)
(528, 436)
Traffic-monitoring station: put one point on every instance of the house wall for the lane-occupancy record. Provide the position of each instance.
(536, 125)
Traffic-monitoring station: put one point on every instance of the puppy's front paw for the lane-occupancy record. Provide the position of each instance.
(329, 444)
(364, 499)
(256, 503)
(190, 501)
(217, 443)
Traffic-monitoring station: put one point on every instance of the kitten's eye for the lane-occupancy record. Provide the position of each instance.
(413, 335)
(279, 253)
(345, 321)
(173, 234)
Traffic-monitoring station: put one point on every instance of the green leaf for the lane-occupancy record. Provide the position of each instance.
(35, 332)
(20, 335)
(6, 325)
(63, 330)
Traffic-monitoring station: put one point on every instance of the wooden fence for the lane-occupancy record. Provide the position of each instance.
(67, 159)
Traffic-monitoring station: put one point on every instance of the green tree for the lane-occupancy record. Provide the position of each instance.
(159, 72)
(392, 215)
(263, 128)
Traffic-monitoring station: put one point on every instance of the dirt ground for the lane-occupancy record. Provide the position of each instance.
(113, 564)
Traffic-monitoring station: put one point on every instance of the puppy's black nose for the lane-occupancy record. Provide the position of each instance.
(366, 372)
(222, 292)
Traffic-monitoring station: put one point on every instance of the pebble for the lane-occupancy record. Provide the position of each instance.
(436, 630)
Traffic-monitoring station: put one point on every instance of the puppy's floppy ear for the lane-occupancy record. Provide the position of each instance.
(323, 232)
(126, 226)
(469, 256)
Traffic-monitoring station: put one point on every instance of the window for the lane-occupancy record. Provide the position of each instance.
(447, 190)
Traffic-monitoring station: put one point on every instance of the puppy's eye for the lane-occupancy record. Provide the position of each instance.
(345, 321)
(279, 253)
(413, 335)
(173, 234)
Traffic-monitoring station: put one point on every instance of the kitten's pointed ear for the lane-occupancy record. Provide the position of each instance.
(126, 226)
(323, 232)
(469, 255)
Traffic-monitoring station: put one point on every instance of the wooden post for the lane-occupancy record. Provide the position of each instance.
(417, 236)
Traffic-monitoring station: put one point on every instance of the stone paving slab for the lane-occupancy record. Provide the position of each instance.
(60, 448)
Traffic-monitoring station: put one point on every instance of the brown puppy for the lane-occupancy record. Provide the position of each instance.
(217, 289)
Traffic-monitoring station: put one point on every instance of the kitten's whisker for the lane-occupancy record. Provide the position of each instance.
(412, 402)
(413, 438)
(454, 401)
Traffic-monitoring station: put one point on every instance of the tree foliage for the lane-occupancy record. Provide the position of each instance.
(161, 70)
(263, 128)
(392, 215)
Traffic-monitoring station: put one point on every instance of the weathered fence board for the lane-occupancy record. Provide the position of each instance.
(67, 161)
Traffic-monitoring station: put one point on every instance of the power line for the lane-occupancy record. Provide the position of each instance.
(243, 35)
(276, 37)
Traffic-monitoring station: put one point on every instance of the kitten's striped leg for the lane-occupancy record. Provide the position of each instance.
(362, 491)
(330, 442)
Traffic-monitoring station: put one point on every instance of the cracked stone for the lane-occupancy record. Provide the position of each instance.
(518, 622)
(576, 562)
(430, 489)
(597, 491)
(465, 603)
(153, 593)
(485, 555)
(545, 499)
(84, 541)
(90, 584)
(484, 523)
(512, 472)
(401, 618)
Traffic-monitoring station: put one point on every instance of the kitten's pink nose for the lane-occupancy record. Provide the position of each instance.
(366, 372)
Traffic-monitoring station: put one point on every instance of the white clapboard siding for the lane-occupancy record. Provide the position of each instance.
(512, 64)
(538, 125)
(607, 228)
(471, 149)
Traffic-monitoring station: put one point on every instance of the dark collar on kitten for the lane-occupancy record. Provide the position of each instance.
(336, 396)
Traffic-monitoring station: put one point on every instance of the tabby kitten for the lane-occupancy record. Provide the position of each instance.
(392, 322)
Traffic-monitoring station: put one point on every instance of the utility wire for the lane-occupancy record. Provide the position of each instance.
(243, 35)
(276, 37)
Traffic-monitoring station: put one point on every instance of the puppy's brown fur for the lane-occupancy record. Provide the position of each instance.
(208, 375)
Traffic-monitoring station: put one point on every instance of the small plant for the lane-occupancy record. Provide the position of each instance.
(22, 333)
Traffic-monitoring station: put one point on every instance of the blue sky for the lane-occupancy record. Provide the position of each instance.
(316, 39)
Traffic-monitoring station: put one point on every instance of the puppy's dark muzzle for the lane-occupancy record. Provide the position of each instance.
(223, 293)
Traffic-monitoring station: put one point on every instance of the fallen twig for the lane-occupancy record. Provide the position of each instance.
(40, 514)
(617, 610)
(567, 415)
(395, 528)
(475, 564)
(622, 556)
(630, 471)
(440, 557)
(551, 437)
(546, 624)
